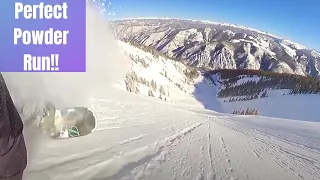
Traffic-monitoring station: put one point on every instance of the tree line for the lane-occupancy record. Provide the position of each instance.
(246, 112)
(256, 88)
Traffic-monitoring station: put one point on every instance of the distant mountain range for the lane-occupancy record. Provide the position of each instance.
(211, 45)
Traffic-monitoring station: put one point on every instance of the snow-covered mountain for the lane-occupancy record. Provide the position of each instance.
(218, 45)
(178, 84)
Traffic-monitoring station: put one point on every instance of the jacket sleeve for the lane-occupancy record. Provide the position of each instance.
(13, 153)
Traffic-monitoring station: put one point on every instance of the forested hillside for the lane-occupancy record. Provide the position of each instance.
(252, 84)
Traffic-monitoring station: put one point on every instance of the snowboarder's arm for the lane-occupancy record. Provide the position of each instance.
(13, 153)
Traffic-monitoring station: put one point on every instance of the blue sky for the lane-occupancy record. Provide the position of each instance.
(297, 20)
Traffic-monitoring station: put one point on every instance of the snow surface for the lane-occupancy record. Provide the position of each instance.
(278, 103)
(140, 137)
(164, 72)
(201, 94)
(299, 107)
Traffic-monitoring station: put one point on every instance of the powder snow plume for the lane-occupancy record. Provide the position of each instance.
(106, 65)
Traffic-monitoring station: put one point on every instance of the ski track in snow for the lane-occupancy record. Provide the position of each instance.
(167, 142)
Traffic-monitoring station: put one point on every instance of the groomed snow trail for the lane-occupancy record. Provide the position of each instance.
(142, 139)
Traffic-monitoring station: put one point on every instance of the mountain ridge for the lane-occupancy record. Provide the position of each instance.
(219, 46)
(222, 23)
(202, 21)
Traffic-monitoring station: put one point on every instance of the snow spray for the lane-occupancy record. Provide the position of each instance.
(106, 65)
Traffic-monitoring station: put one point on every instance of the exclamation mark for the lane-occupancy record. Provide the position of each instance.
(54, 62)
(57, 62)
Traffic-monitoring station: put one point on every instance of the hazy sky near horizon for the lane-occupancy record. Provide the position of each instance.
(296, 20)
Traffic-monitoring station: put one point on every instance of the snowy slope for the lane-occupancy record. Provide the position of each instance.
(179, 90)
(166, 73)
(298, 107)
(139, 138)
